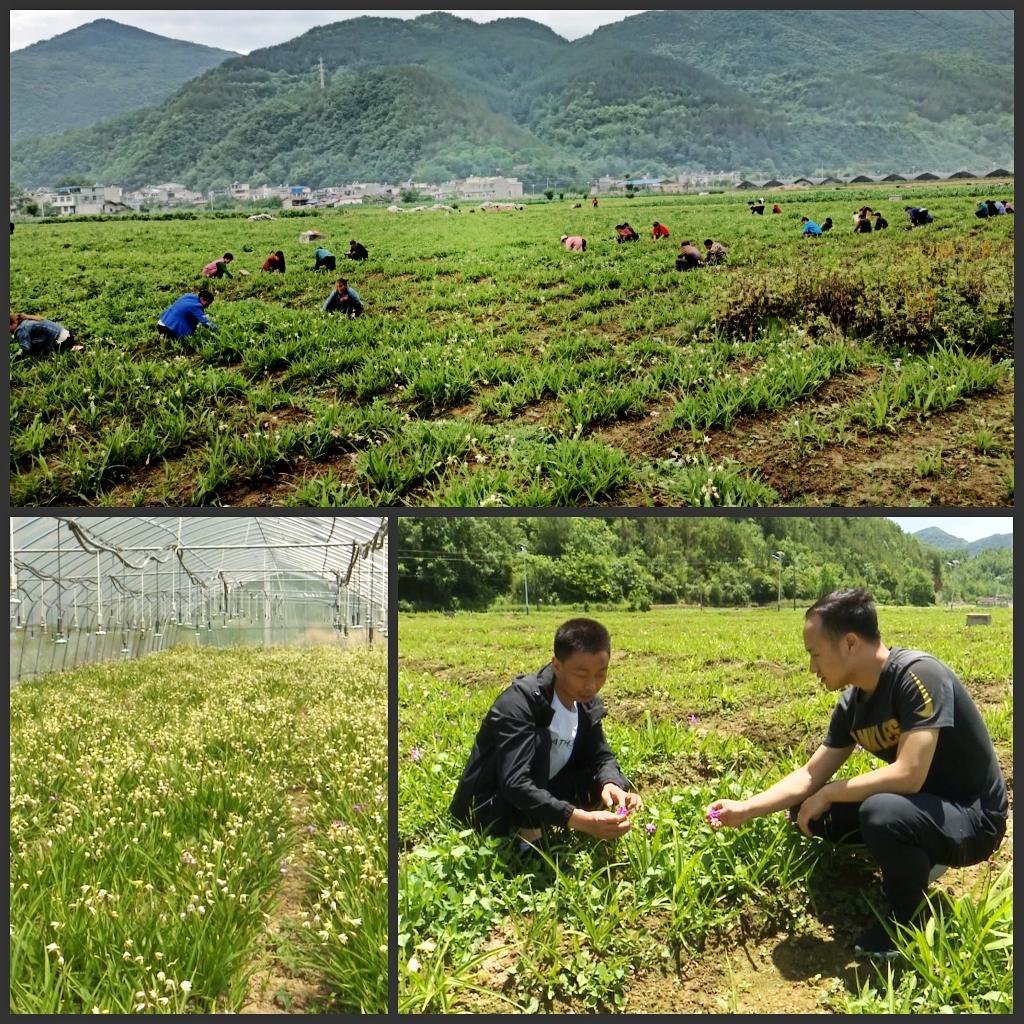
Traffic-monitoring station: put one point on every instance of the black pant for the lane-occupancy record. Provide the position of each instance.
(166, 332)
(909, 833)
(327, 263)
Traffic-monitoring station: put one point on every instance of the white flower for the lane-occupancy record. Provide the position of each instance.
(186, 986)
(414, 965)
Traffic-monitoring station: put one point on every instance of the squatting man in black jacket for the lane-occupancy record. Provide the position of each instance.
(939, 800)
(540, 757)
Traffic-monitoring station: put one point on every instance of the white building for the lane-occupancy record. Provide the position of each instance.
(475, 187)
(72, 199)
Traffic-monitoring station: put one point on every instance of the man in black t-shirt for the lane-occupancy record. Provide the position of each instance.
(940, 800)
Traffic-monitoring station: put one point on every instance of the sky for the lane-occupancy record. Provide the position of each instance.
(965, 527)
(255, 29)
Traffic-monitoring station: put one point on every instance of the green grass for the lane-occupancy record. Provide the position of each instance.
(483, 928)
(481, 323)
(157, 810)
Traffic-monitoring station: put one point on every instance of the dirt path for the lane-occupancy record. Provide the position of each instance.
(276, 985)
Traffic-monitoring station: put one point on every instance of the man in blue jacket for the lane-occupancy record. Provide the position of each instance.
(540, 756)
(184, 315)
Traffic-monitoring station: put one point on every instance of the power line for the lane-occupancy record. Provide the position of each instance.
(929, 20)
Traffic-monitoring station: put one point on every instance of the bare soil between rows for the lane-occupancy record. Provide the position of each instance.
(878, 469)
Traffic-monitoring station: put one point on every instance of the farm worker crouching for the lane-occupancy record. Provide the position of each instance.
(540, 756)
(810, 229)
(574, 243)
(940, 800)
(688, 256)
(274, 263)
(324, 259)
(38, 337)
(714, 252)
(826, 225)
(880, 221)
(218, 268)
(919, 215)
(184, 315)
(356, 251)
(658, 231)
(343, 300)
(625, 232)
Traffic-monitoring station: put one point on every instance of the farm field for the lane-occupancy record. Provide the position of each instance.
(201, 832)
(677, 917)
(495, 368)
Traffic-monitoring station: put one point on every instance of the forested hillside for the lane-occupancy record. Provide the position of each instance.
(763, 92)
(468, 563)
(97, 71)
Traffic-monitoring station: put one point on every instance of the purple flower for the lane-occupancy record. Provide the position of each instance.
(337, 823)
(415, 754)
(621, 812)
(358, 808)
(714, 817)
(310, 829)
(692, 719)
(651, 828)
(53, 798)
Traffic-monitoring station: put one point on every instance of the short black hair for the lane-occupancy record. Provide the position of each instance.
(342, 280)
(581, 636)
(205, 293)
(227, 256)
(709, 242)
(847, 611)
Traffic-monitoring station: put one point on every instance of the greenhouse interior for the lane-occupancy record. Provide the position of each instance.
(87, 588)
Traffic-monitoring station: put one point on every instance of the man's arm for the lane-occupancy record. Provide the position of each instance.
(515, 741)
(788, 791)
(906, 774)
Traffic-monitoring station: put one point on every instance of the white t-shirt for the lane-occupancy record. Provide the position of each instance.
(563, 729)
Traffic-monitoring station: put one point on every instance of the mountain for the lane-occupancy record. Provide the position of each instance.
(939, 538)
(997, 542)
(761, 92)
(97, 71)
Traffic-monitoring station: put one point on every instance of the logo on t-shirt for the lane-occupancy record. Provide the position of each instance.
(928, 707)
(877, 738)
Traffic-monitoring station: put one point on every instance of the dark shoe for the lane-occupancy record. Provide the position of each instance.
(876, 943)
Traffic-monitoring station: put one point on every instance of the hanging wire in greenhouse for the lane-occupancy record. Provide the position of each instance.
(122, 588)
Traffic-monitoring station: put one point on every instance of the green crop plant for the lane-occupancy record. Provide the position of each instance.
(159, 806)
(487, 319)
(701, 704)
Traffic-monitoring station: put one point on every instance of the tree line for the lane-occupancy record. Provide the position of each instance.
(470, 563)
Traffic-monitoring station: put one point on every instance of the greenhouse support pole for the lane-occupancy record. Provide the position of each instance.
(369, 614)
(14, 572)
(100, 631)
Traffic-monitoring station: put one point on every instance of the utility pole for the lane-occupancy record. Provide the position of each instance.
(952, 564)
(779, 556)
(320, 64)
(526, 585)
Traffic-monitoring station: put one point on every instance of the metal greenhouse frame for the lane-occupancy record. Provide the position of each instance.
(89, 588)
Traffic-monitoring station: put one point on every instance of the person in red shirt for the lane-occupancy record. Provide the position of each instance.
(658, 231)
(274, 263)
(776, 208)
(593, 202)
